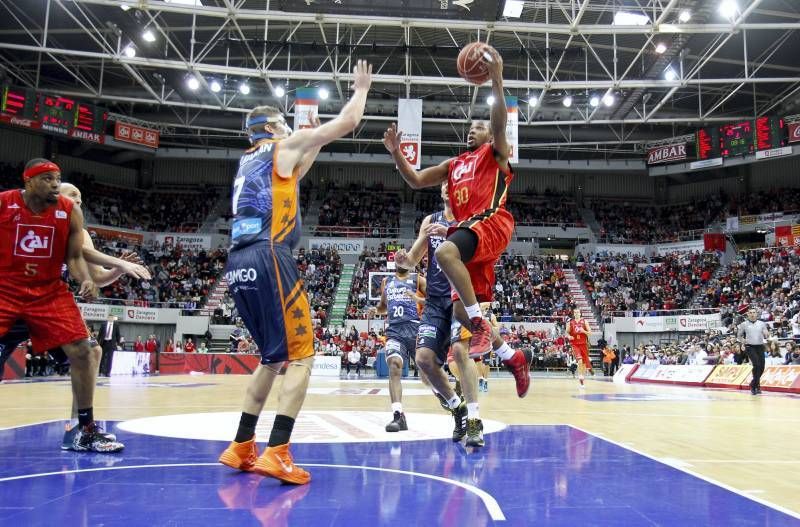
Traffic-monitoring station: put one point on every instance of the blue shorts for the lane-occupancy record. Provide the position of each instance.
(434, 330)
(401, 339)
(271, 299)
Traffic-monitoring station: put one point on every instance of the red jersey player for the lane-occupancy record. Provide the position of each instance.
(477, 185)
(39, 231)
(578, 335)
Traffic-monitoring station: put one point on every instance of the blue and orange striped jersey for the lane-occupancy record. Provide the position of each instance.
(265, 205)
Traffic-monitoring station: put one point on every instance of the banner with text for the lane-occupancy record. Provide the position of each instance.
(787, 235)
(190, 242)
(794, 132)
(409, 121)
(666, 153)
(306, 104)
(108, 233)
(152, 315)
(512, 128)
(666, 323)
(136, 134)
(341, 245)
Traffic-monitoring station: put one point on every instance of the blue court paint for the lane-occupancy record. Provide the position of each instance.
(643, 397)
(538, 475)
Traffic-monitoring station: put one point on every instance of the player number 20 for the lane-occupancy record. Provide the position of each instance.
(398, 312)
(462, 195)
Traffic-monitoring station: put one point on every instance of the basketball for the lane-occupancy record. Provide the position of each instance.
(471, 65)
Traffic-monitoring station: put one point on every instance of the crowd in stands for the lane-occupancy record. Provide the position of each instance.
(362, 210)
(530, 286)
(371, 260)
(558, 211)
(766, 201)
(640, 224)
(632, 283)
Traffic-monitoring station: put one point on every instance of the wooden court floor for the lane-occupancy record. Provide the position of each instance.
(749, 444)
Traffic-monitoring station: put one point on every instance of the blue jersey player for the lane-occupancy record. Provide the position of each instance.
(399, 301)
(263, 278)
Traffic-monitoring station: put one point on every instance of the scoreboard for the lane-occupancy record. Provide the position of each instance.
(736, 139)
(707, 143)
(770, 133)
(53, 113)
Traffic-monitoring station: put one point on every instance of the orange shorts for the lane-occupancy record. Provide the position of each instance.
(582, 354)
(494, 234)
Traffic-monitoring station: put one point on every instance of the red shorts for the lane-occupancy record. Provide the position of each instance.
(494, 234)
(51, 314)
(582, 354)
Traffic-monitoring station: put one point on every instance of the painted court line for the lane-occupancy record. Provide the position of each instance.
(761, 501)
(489, 502)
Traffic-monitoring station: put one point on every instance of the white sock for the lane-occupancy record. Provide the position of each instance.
(474, 311)
(454, 401)
(472, 411)
(397, 407)
(504, 352)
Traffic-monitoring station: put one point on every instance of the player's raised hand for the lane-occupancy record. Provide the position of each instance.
(493, 61)
(391, 138)
(135, 270)
(362, 75)
(88, 290)
(313, 120)
(401, 258)
(132, 257)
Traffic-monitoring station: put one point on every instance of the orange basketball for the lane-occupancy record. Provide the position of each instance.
(471, 65)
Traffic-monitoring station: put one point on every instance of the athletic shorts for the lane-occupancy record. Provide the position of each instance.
(582, 353)
(50, 313)
(401, 339)
(434, 329)
(271, 299)
(494, 234)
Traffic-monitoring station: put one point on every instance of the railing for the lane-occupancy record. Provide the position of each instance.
(663, 312)
(566, 224)
(342, 231)
(682, 236)
(189, 308)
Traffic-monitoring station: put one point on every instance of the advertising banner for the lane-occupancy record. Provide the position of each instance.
(409, 121)
(305, 105)
(190, 242)
(326, 366)
(512, 128)
(341, 245)
(728, 375)
(136, 134)
(108, 233)
(666, 153)
(777, 379)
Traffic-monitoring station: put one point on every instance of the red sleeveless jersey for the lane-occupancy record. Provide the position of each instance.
(477, 185)
(581, 339)
(32, 246)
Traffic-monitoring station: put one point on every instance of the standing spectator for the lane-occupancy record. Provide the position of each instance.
(609, 361)
(151, 346)
(354, 360)
(189, 347)
(138, 346)
(235, 339)
(109, 340)
(169, 348)
(202, 348)
(178, 347)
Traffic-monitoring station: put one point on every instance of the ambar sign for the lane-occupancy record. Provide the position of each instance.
(663, 154)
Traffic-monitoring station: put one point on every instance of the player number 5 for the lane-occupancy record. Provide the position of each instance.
(462, 195)
(31, 269)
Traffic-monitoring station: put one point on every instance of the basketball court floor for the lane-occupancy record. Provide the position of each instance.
(613, 455)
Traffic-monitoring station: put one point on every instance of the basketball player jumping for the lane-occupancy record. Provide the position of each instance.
(478, 182)
(41, 230)
(263, 277)
(399, 302)
(578, 335)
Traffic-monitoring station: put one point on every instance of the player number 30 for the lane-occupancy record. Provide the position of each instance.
(462, 195)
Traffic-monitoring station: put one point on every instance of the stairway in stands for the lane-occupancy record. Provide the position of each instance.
(339, 309)
(215, 297)
(581, 298)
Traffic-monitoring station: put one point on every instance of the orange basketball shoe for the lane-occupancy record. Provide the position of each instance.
(241, 456)
(277, 462)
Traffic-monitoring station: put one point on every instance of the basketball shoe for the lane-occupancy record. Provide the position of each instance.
(90, 438)
(474, 433)
(398, 423)
(481, 340)
(518, 365)
(241, 456)
(460, 418)
(277, 462)
(71, 432)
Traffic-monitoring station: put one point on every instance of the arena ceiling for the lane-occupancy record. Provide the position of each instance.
(725, 67)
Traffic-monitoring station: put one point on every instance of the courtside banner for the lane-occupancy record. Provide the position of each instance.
(624, 373)
(777, 379)
(306, 103)
(728, 375)
(687, 375)
(409, 121)
(340, 245)
(512, 127)
(326, 366)
(644, 372)
(666, 153)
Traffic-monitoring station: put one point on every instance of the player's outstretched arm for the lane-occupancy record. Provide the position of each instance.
(427, 177)
(409, 260)
(499, 115)
(310, 156)
(76, 264)
(299, 144)
(98, 262)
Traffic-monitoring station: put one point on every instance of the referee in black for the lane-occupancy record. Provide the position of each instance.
(755, 333)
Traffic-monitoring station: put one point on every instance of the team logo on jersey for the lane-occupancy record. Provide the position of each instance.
(34, 241)
(13, 206)
(61, 215)
(246, 226)
(464, 169)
